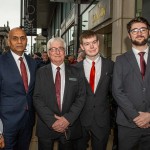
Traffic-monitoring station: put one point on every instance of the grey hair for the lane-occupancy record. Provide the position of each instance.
(59, 39)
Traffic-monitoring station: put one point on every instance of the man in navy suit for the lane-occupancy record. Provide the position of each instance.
(58, 112)
(16, 110)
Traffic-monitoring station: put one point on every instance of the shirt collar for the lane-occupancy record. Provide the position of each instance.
(62, 66)
(136, 51)
(16, 57)
(90, 61)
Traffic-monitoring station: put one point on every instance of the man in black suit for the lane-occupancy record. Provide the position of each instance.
(131, 85)
(17, 77)
(95, 116)
(58, 105)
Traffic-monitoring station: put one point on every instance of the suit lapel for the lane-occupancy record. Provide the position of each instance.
(132, 60)
(50, 84)
(147, 73)
(66, 89)
(31, 71)
(83, 74)
(14, 69)
(103, 72)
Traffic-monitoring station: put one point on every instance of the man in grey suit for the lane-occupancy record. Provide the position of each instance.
(131, 85)
(58, 105)
(97, 72)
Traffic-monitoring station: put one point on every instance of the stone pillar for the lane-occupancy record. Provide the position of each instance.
(123, 12)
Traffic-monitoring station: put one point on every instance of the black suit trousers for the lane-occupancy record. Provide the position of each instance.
(19, 138)
(133, 138)
(97, 143)
(48, 144)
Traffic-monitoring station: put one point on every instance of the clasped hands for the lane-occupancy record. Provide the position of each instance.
(143, 120)
(61, 124)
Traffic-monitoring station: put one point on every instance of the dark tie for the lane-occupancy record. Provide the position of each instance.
(142, 64)
(58, 87)
(92, 76)
(24, 73)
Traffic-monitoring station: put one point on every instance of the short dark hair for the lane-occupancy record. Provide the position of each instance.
(87, 34)
(137, 20)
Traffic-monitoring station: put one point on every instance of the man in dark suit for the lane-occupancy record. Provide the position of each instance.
(58, 105)
(16, 111)
(95, 116)
(131, 84)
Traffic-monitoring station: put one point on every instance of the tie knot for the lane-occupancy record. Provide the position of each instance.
(58, 68)
(93, 63)
(21, 59)
(141, 54)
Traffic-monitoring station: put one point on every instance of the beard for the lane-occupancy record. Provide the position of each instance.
(141, 43)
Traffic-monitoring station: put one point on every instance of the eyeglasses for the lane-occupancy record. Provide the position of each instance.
(142, 30)
(54, 49)
(89, 43)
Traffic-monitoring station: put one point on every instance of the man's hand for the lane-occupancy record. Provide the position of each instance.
(61, 124)
(143, 120)
(2, 144)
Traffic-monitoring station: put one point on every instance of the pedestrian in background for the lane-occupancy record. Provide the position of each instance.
(81, 56)
(45, 59)
(131, 85)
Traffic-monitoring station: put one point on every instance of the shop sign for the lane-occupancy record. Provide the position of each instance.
(100, 13)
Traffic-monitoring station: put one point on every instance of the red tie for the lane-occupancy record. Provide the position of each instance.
(92, 76)
(24, 73)
(58, 87)
(142, 64)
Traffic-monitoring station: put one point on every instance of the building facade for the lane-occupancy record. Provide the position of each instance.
(107, 17)
(68, 19)
(3, 38)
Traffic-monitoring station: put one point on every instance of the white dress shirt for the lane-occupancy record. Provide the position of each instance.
(87, 64)
(62, 74)
(16, 57)
(137, 56)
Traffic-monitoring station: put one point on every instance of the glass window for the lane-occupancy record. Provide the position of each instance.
(84, 20)
(138, 8)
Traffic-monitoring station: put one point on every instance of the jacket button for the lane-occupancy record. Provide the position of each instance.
(144, 89)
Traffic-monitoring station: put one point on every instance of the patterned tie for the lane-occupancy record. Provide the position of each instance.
(58, 87)
(142, 64)
(92, 76)
(24, 73)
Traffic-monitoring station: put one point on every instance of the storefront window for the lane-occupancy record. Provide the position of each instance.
(69, 39)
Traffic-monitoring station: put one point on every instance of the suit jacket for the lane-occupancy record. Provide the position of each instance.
(96, 112)
(46, 104)
(129, 90)
(13, 98)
